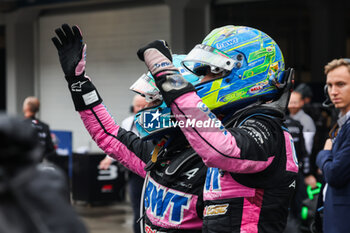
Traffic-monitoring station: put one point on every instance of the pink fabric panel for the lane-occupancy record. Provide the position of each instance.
(81, 65)
(220, 138)
(251, 212)
(291, 154)
(228, 188)
(226, 153)
(242, 166)
(107, 143)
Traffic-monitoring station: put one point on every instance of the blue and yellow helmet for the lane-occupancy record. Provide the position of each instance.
(247, 63)
(156, 121)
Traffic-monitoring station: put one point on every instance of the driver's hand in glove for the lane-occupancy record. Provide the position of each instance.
(71, 50)
(158, 58)
(72, 54)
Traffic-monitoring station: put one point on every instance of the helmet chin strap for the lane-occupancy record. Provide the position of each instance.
(285, 89)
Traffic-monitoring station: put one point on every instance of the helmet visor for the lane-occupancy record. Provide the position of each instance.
(204, 58)
(146, 87)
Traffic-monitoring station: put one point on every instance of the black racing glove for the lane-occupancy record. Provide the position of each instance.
(158, 58)
(72, 54)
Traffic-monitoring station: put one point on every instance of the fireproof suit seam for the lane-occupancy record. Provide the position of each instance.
(114, 136)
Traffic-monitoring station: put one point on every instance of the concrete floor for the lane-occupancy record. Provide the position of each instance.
(113, 218)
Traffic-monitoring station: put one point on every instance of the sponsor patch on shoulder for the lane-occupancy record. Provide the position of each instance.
(213, 210)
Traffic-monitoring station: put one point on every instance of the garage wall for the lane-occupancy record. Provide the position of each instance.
(113, 36)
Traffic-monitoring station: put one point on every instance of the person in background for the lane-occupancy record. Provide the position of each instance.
(306, 94)
(32, 197)
(135, 182)
(31, 107)
(334, 159)
(324, 118)
(296, 111)
(294, 217)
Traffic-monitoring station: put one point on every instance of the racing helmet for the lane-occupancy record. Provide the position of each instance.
(246, 65)
(155, 121)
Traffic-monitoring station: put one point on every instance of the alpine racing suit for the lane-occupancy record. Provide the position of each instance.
(175, 178)
(252, 167)
(173, 187)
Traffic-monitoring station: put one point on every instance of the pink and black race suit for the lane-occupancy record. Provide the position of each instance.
(173, 195)
(252, 166)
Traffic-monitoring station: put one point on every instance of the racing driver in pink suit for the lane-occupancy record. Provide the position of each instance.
(233, 119)
(174, 174)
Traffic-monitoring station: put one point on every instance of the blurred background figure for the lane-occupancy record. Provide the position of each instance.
(294, 217)
(296, 111)
(334, 159)
(31, 107)
(135, 182)
(303, 130)
(32, 198)
(306, 94)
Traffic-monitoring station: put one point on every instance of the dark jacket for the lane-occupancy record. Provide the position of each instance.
(335, 165)
(44, 135)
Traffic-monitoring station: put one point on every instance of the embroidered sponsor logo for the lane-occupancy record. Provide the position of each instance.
(162, 64)
(77, 86)
(213, 210)
(162, 201)
(254, 133)
(212, 181)
(295, 158)
(292, 185)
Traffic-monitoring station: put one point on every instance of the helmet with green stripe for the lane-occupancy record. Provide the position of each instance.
(245, 66)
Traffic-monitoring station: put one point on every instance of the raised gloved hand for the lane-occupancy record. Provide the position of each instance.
(71, 50)
(72, 55)
(158, 58)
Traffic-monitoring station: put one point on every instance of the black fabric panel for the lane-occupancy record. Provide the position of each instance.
(273, 174)
(274, 211)
(258, 138)
(79, 86)
(229, 222)
(142, 149)
(180, 181)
